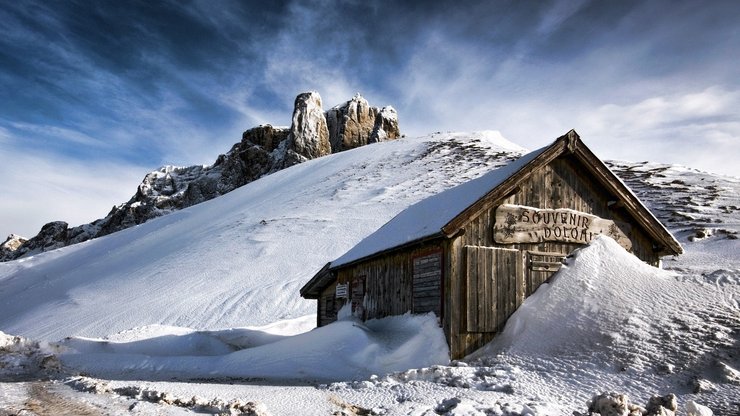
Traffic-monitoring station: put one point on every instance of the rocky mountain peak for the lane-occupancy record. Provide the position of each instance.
(263, 149)
(309, 136)
(11, 244)
(355, 123)
(52, 236)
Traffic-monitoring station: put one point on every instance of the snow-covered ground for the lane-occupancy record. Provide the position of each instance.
(237, 260)
(199, 311)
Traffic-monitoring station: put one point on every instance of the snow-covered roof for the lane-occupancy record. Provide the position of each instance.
(440, 214)
(427, 217)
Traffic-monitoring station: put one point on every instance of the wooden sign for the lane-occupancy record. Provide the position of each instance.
(521, 224)
(341, 291)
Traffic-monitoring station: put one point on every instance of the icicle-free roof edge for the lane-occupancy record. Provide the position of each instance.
(427, 217)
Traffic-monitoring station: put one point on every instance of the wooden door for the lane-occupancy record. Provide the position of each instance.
(495, 286)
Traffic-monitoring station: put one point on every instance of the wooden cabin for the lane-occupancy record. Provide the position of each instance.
(473, 253)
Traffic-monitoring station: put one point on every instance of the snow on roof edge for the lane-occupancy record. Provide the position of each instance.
(427, 217)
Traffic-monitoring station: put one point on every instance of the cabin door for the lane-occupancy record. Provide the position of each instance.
(495, 286)
(540, 267)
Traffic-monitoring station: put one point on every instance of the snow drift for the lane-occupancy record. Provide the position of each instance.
(607, 306)
(606, 323)
(240, 259)
(344, 350)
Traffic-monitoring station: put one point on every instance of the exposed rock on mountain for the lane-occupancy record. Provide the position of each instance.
(386, 125)
(11, 244)
(52, 236)
(266, 136)
(262, 150)
(308, 135)
(355, 124)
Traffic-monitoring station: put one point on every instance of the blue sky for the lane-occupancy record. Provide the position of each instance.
(98, 93)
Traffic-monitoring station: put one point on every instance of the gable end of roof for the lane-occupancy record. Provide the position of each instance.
(656, 229)
(313, 288)
(561, 145)
(571, 144)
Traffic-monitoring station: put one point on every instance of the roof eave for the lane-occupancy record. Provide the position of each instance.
(421, 240)
(313, 288)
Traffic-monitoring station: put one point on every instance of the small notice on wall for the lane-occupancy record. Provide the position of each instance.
(521, 224)
(341, 291)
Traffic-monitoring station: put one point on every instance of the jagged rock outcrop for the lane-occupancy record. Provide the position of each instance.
(262, 150)
(11, 244)
(266, 136)
(53, 235)
(386, 125)
(173, 188)
(355, 123)
(309, 136)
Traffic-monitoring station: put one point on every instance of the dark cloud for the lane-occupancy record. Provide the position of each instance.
(155, 82)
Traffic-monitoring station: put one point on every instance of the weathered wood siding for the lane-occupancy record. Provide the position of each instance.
(426, 283)
(561, 184)
(389, 282)
(328, 306)
(495, 286)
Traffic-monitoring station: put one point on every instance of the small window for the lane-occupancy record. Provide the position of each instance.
(427, 283)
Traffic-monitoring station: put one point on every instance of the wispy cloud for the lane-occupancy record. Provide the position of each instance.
(5, 135)
(299, 58)
(696, 129)
(145, 84)
(38, 188)
(606, 80)
(557, 14)
(72, 136)
(712, 106)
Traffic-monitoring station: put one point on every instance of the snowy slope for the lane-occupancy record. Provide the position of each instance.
(240, 259)
(606, 323)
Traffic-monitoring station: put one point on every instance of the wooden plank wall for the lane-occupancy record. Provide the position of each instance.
(559, 185)
(427, 283)
(562, 185)
(326, 315)
(388, 281)
(495, 286)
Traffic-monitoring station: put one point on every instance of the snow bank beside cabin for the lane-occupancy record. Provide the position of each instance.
(605, 323)
(609, 322)
(344, 350)
(607, 302)
(600, 297)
